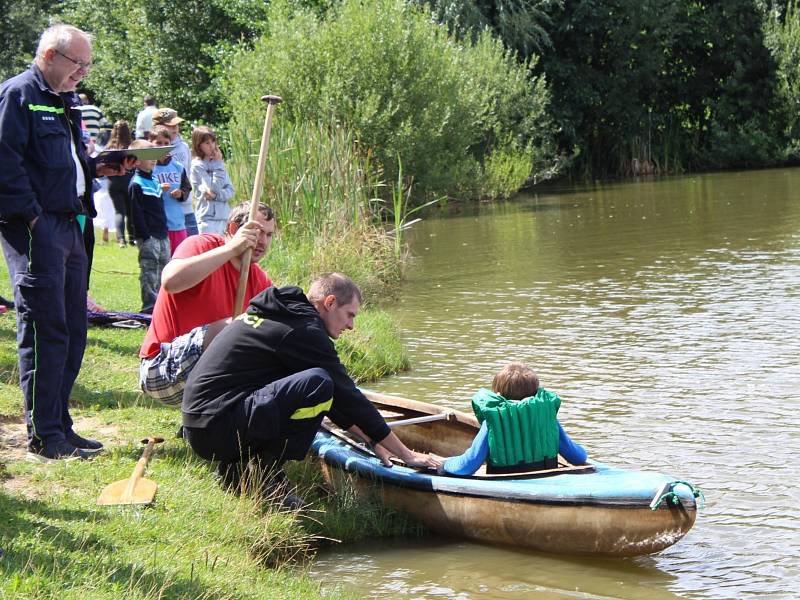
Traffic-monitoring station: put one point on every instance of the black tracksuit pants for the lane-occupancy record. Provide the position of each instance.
(276, 422)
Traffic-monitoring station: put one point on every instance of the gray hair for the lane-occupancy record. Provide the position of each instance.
(338, 284)
(59, 37)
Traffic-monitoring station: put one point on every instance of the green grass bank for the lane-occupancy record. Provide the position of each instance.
(196, 541)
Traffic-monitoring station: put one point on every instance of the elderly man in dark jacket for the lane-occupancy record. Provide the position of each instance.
(264, 385)
(45, 191)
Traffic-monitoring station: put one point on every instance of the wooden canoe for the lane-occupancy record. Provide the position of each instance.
(595, 509)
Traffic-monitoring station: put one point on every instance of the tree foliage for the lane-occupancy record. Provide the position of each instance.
(521, 24)
(681, 84)
(412, 93)
(645, 84)
(783, 34)
(21, 23)
(171, 50)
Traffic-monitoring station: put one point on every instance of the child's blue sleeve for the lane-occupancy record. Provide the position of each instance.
(473, 458)
(574, 453)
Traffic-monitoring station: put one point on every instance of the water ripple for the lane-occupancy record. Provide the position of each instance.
(666, 316)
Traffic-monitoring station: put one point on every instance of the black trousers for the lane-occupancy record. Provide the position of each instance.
(48, 268)
(276, 422)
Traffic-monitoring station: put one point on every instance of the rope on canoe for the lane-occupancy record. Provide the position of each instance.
(667, 493)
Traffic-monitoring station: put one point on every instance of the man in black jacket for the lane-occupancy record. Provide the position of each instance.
(264, 385)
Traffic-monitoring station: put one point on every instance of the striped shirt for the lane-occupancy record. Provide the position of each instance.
(93, 119)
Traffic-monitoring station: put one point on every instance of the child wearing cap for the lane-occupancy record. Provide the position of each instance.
(169, 118)
(211, 187)
(175, 189)
(149, 226)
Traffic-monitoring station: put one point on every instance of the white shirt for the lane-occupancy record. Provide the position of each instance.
(80, 178)
(144, 120)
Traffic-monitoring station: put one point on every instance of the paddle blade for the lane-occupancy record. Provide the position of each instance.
(144, 491)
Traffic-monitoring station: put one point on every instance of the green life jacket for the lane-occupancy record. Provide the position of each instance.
(523, 434)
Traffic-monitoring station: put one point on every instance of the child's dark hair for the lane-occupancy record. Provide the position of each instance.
(159, 131)
(121, 136)
(515, 381)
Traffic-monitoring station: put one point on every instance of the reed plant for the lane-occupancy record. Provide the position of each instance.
(402, 208)
(315, 178)
(324, 192)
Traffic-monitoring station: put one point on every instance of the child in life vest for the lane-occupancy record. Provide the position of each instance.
(519, 429)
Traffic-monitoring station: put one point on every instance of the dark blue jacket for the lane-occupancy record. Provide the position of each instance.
(147, 206)
(37, 171)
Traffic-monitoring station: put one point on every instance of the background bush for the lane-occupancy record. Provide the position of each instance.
(783, 39)
(407, 89)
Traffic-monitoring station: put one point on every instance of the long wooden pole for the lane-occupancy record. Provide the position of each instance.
(254, 200)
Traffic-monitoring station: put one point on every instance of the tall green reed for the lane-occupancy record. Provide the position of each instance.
(402, 209)
(315, 177)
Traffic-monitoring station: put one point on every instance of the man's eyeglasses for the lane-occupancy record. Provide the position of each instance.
(79, 63)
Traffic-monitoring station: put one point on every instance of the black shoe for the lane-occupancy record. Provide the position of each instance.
(88, 446)
(9, 304)
(56, 451)
(292, 501)
(230, 476)
(271, 485)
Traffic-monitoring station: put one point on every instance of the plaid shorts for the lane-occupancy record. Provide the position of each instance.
(164, 376)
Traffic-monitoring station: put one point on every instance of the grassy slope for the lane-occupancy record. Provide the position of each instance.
(195, 542)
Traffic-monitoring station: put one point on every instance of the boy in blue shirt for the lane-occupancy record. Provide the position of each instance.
(516, 404)
(149, 227)
(176, 189)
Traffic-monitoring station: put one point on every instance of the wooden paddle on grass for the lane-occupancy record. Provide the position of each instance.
(244, 270)
(136, 489)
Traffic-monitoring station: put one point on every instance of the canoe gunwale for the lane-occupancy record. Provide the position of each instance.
(450, 485)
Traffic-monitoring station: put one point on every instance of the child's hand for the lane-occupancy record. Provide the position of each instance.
(165, 187)
(217, 155)
(176, 193)
(209, 195)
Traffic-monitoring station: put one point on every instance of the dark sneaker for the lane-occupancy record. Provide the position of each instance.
(292, 501)
(230, 476)
(88, 446)
(271, 485)
(58, 451)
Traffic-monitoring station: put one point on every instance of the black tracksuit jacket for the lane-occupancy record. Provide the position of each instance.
(280, 334)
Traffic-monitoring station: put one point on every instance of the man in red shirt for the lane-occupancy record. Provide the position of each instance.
(198, 289)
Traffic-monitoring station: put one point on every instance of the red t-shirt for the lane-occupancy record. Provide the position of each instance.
(208, 301)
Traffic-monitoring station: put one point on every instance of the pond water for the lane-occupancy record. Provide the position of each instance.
(666, 314)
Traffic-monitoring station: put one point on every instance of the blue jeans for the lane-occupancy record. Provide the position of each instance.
(191, 223)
